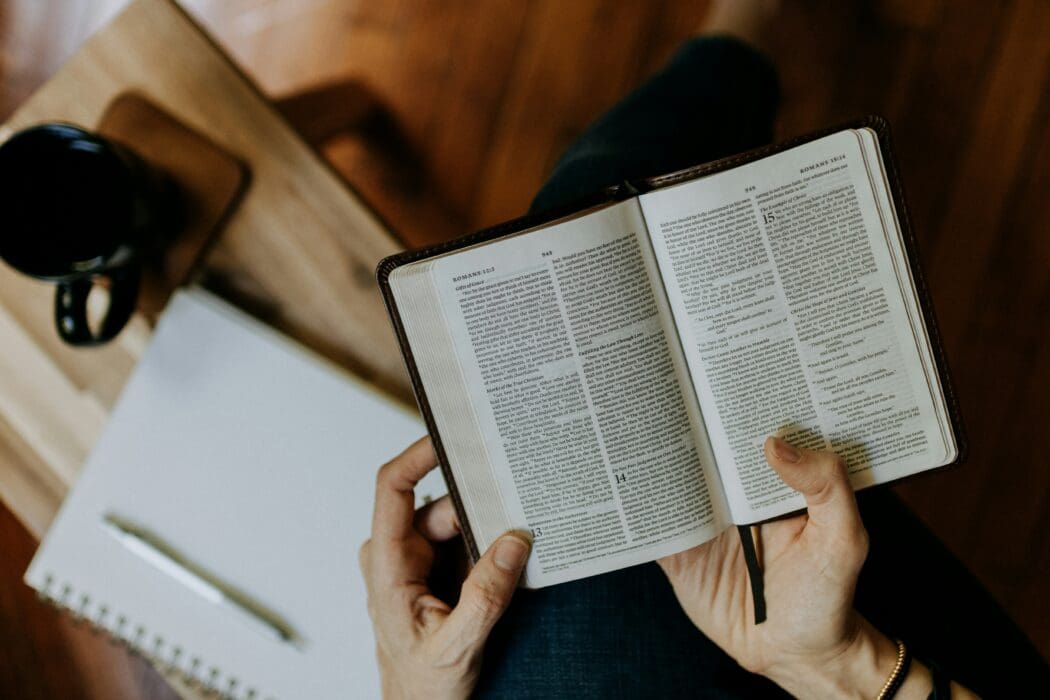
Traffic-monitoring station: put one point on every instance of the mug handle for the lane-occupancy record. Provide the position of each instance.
(71, 307)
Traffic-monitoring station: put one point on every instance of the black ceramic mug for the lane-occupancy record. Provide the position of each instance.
(80, 210)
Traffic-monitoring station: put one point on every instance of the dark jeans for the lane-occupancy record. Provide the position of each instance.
(623, 634)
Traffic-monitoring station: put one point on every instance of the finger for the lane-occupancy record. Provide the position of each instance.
(821, 479)
(488, 589)
(437, 521)
(395, 504)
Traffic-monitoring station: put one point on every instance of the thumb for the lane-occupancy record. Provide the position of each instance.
(820, 477)
(488, 589)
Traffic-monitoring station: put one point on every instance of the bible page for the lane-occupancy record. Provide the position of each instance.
(577, 396)
(781, 276)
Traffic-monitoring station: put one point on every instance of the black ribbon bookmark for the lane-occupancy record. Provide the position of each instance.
(754, 572)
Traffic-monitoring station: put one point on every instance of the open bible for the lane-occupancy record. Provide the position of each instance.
(606, 379)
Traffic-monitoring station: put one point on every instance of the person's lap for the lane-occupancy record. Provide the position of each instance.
(716, 97)
(623, 634)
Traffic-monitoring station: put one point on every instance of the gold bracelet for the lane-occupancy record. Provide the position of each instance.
(900, 670)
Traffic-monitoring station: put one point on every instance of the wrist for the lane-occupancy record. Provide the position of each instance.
(858, 669)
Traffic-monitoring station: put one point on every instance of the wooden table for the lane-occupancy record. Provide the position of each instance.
(299, 251)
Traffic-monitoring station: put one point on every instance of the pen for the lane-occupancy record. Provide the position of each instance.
(150, 549)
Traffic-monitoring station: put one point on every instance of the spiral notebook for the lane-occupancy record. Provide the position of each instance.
(256, 461)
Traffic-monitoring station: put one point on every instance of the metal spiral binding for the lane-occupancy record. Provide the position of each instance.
(171, 659)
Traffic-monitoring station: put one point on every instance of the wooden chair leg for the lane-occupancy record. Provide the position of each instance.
(320, 113)
(348, 124)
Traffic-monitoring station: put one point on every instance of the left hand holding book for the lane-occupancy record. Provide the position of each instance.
(427, 648)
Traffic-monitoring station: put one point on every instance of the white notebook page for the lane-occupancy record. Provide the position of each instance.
(256, 460)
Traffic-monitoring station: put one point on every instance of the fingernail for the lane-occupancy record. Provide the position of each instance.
(511, 553)
(785, 450)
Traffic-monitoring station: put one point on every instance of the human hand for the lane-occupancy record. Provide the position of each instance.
(425, 647)
(813, 643)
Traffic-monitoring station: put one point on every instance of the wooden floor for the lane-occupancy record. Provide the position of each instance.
(488, 94)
